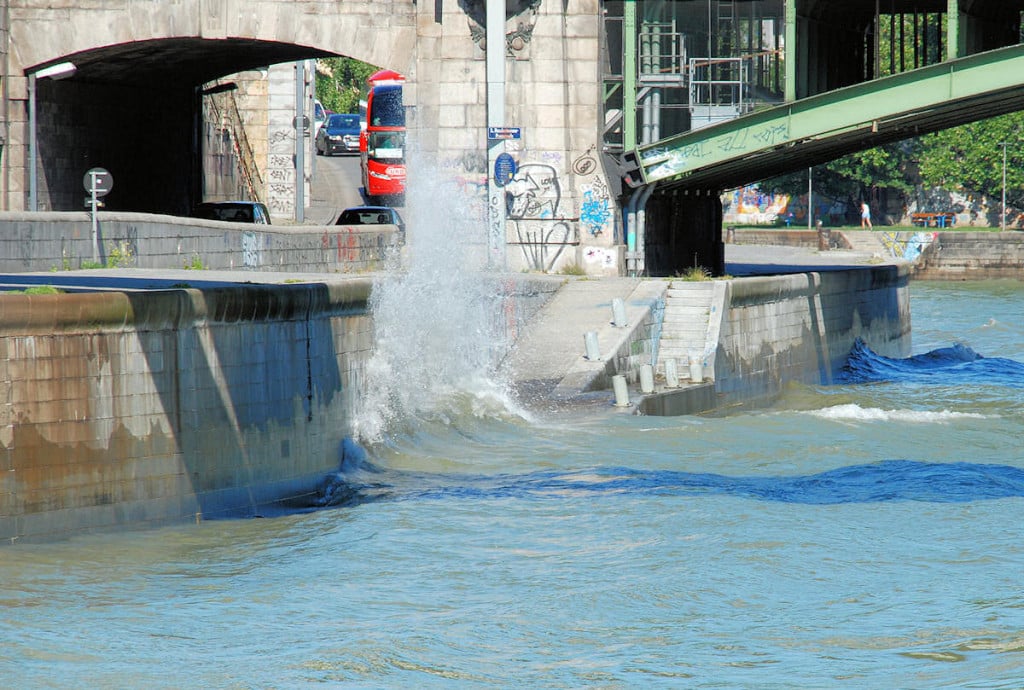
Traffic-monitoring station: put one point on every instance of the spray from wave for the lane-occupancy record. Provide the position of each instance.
(438, 336)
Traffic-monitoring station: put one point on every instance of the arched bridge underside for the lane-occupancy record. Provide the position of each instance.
(821, 128)
(132, 102)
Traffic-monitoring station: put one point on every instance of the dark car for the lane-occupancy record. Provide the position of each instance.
(340, 134)
(371, 215)
(234, 212)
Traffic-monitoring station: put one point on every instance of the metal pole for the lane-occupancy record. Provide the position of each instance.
(300, 141)
(33, 204)
(93, 204)
(1002, 225)
(495, 58)
(810, 199)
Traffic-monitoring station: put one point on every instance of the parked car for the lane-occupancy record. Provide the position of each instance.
(371, 215)
(234, 212)
(340, 134)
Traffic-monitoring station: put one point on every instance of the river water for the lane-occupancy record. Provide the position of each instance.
(862, 535)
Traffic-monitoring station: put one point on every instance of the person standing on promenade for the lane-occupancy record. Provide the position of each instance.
(865, 215)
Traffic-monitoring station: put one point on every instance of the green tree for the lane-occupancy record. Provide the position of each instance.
(969, 158)
(880, 171)
(341, 83)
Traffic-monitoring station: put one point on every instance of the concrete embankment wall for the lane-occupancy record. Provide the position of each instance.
(149, 408)
(772, 330)
(64, 241)
(143, 408)
(965, 255)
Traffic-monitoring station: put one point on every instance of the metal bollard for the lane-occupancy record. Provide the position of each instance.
(590, 342)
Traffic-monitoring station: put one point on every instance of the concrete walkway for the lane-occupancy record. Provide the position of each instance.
(548, 364)
(553, 342)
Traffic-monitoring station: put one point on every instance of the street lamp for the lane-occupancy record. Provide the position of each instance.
(61, 70)
(810, 197)
(1002, 225)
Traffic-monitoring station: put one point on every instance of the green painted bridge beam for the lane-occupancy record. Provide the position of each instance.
(826, 126)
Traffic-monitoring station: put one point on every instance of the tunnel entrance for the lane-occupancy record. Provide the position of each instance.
(136, 109)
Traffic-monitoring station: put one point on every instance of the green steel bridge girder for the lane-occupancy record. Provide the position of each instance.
(815, 130)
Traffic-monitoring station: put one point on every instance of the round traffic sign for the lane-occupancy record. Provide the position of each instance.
(504, 169)
(98, 181)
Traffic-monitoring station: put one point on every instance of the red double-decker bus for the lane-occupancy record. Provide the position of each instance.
(382, 143)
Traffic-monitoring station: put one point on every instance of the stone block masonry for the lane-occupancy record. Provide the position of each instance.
(148, 408)
(965, 255)
(63, 241)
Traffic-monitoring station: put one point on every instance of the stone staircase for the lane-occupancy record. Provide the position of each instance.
(685, 325)
(866, 242)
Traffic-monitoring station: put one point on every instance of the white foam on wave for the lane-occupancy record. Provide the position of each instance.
(855, 413)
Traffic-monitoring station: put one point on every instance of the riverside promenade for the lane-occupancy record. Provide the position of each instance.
(142, 397)
(550, 367)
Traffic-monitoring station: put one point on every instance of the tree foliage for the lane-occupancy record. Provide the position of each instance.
(853, 177)
(969, 158)
(341, 83)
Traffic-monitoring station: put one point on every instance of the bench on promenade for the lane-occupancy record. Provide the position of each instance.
(933, 220)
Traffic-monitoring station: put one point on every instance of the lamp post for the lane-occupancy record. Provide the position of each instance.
(810, 197)
(1002, 224)
(61, 70)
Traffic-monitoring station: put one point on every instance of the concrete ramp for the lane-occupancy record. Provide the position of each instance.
(549, 360)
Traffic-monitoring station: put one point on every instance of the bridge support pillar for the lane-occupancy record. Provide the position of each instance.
(683, 231)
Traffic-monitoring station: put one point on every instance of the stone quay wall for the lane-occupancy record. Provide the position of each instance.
(965, 255)
(147, 408)
(64, 241)
(772, 330)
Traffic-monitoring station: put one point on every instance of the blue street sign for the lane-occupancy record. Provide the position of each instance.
(495, 133)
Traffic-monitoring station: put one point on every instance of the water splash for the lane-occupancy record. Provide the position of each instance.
(437, 339)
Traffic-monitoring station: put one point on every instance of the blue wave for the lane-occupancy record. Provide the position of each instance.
(955, 364)
(890, 480)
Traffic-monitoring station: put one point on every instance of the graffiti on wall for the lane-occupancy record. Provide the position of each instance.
(251, 250)
(665, 161)
(536, 218)
(909, 249)
(543, 243)
(596, 207)
(533, 193)
(601, 258)
(533, 197)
